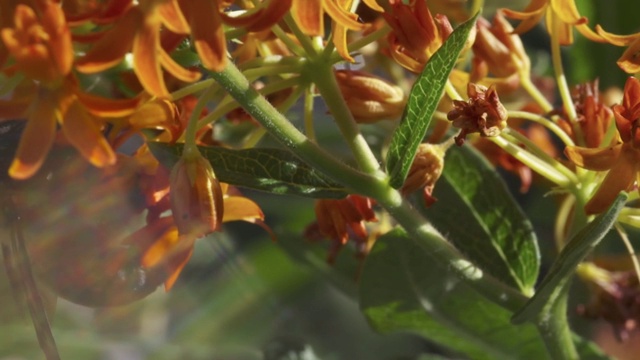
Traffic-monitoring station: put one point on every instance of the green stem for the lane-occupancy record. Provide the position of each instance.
(190, 148)
(555, 129)
(529, 87)
(376, 187)
(323, 77)
(555, 332)
(192, 89)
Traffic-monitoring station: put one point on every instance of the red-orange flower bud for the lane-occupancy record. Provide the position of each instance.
(426, 170)
(196, 196)
(369, 97)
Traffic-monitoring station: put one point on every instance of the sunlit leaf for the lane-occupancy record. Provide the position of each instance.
(273, 170)
(478, 214)
(423, 100)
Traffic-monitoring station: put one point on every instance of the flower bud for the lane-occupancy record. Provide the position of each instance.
(196, 196)
(369, 97)
(483, 113)
(426, 170)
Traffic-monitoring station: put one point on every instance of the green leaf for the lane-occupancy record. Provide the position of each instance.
(403, 289)
(477, 213)
(272, 170)
(423, 100)
(565, 265)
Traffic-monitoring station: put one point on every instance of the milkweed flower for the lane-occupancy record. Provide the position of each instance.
(425, 170)
(629, 61)
(621, 159)
(560, 18)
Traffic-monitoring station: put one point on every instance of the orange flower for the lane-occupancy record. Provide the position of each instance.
(41, 47)
(629, 61)
(138, 31)
(309, 15)
(342, 219)
(563, 12)
(622, 159)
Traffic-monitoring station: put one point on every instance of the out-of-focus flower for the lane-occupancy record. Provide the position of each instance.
(426, 169)
(629, 61)
(594, 118)
(416, 33)
(40, 43)
(622, 158)
(341, 220)
(616, 298)
(309, 15)
(483, 113)
(138, 31)
(369, 97)
(498, 51)
(560, 16)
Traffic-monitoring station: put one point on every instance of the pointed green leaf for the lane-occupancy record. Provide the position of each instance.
(423, 100)
(272, 170)
(402, 289)
(565, 265)
(478, 214)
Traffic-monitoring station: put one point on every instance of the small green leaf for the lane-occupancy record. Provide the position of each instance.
(478, 214)
(565, 265)
(423, 100)
(272, 170)
(403, 289)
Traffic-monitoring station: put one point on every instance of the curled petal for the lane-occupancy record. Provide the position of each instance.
(173, 18)
(618, 40)
(341, 16)
(530, 17)
(105, 107)
(146, 63)
(630, 59)
(82, 131)
(374, 5)
(37, 138)
(241, 208)
(176, 70)
(207, 33)
(620, 178)
(593, 159)
(269, 13)
(113, 46)
(567, 12)
(308, 15)
(157, 113)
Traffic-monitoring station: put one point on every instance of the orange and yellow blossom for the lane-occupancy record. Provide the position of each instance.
(40, 44)
(138, 30)
(560, 16)
(416, 34)
(629, 61)
(621, 159)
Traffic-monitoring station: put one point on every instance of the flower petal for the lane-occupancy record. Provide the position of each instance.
(241, 208)
(82, 131)
(630, 59)
(600, 159)
(105, 107)
(176, 69)
(308, 15)
(207, 33)
(37, 138)
(173, 18)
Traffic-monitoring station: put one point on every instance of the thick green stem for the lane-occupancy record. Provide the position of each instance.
(555, 332)
(325, 81)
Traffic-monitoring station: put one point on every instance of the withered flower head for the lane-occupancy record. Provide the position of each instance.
(369, 97)
(483, 113)
(340, 220)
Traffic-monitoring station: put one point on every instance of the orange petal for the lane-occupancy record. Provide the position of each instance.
(620, 178)
(156, 113)
(590, 34)
(341, 16)
(269, 13)
(176, 70)
(37, 138)
(374, 5)
(113, 46)
(161, 247)
(618, 40)
(308, 15)
(105, 107)
(146, 63)
(83, 132)
(173, 18)
(529, 19)
(600, 159)
(11, 109)
(175, 266)
(630, 59)
(207, 33)
(567, 11)
(241, 208)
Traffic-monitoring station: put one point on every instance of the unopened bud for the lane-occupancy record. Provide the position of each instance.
(196, 197)
(369, 97)
(426, 170)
